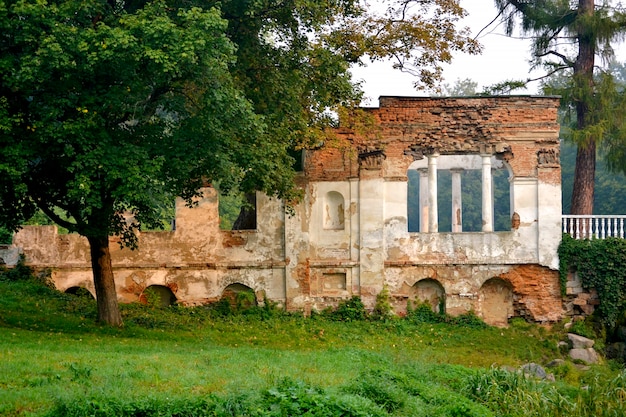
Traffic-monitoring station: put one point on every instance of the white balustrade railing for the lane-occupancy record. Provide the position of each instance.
(594, 226)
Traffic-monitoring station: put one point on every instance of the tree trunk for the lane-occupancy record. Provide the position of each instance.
(584, 174)
(106, 296)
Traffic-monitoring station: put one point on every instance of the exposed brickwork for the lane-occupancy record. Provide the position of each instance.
(515, 128)
(538, 292)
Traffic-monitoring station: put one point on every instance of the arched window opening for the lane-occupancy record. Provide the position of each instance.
(157, 296)
(334, 211)
(239, 296)
(495, 302)
(429, 291)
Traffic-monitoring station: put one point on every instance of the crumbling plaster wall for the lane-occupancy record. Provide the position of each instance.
(520, 131)
(349, 235)
(196, 261)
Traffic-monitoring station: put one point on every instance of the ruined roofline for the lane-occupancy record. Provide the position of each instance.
(385, 98)
(504, 96)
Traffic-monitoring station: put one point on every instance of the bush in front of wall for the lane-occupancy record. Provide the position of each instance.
(351, 309)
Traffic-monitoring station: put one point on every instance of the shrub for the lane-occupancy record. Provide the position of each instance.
(469, 319)
(351, 309)
(383, 309)
(423, 313)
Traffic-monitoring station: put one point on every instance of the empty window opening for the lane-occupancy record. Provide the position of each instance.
(431, 292)
(496, 302)
(157, 296)
(238, 211)
(334, 208)
(460, 191)
(161, 218)
(239, 296)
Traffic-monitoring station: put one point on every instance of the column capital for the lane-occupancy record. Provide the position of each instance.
(486, 149)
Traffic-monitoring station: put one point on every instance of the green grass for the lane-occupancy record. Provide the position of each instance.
(56, 361)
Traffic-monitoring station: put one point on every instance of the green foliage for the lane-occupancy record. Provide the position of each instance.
(6, 236)
(109, 108)
(229, 208)
(22, 272)
(423, 312)
(461, 88)
(471, 189)
(567, 38)
(511, 393)
(179, 361)
(383, 310)
(610, 187)
(152, 298)
(583, 328)
(600, 265)
(351, 309)
(469, 320)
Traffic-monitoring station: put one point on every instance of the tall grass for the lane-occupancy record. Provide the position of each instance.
(174, 361)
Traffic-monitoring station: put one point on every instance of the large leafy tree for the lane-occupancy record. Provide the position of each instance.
(106, 111)
(293, 56)
(112, 107)
(568, 37)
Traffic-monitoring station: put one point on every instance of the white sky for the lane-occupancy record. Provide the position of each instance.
(503, 58)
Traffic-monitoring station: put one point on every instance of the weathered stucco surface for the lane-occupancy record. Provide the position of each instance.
(349, 235)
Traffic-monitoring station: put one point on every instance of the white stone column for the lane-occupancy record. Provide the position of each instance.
(487, 211)
(423, 198)
(433, 220)
(457, 203)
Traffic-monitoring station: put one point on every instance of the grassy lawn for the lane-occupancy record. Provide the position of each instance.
(55, 361)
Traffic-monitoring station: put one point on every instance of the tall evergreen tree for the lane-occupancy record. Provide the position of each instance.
(569, 36)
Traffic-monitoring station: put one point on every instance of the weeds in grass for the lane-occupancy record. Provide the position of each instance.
(512, 393)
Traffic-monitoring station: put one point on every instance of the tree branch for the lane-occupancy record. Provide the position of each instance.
(565, 59)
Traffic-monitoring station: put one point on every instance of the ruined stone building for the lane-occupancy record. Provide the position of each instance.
(353, 233)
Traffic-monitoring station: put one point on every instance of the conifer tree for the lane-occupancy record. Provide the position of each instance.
(569, 36)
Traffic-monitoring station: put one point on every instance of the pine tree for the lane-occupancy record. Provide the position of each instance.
(568, 36)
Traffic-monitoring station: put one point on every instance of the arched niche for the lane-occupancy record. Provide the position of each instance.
(334, 211)
(495, 301)
(239, 296)
(80, 292)
(429, 291)
(158, 295)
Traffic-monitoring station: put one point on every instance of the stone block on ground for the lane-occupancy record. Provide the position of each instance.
(587, 356)
(579, 342)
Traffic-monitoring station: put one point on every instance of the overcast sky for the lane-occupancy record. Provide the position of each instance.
(503, 58)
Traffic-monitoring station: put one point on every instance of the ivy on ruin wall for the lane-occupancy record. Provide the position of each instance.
(600, 264)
